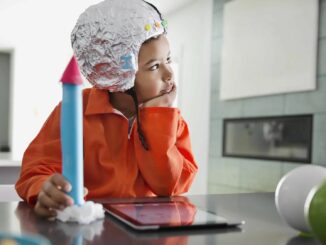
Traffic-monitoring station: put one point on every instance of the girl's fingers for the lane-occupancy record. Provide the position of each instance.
(59, 180)
(52, 197)
(54, 189)
(47, 202)
(43, 211)
(56, 194)
(164, 100)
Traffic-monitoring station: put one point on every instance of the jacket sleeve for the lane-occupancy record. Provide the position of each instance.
(169, 166)
(41, 159)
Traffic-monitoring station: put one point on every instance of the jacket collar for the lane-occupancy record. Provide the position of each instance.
(99, 103)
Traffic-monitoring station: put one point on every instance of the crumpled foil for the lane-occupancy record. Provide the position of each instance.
(107, 38)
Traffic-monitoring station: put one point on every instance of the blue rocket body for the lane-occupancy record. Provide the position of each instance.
(72, 140)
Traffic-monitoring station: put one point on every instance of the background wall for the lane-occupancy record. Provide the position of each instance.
(190, 40)
(38, 32)
(228, 175)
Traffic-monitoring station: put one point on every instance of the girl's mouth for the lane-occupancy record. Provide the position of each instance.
(169, 89)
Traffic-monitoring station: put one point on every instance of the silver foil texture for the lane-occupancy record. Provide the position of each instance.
(107, 38)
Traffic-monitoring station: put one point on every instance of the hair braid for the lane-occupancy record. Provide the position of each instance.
(141, 136)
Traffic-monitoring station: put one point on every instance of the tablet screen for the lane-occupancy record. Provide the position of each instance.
(164, 214)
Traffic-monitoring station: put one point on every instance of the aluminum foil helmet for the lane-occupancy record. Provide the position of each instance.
(107, 38)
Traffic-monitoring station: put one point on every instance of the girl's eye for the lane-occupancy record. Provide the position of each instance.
(169, 60)
(154, 67)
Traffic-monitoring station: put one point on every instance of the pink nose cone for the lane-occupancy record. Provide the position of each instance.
(72, 73)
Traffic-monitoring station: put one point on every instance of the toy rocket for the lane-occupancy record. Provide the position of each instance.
(72, 130)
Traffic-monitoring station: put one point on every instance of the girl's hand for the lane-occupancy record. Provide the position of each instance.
(162, 100)
(52, 196)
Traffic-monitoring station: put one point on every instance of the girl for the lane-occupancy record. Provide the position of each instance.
(135, 143)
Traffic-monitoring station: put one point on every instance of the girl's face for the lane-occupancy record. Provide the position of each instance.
(154, 76)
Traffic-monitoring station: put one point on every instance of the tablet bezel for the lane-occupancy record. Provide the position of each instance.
(135, 224)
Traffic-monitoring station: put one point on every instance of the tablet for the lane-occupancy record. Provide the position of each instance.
(166, 215)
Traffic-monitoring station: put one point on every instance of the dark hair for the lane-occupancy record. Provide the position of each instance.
(141, 135)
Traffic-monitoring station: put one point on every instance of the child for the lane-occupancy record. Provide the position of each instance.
(135, 143)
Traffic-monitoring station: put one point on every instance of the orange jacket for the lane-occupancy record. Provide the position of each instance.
(115, 165)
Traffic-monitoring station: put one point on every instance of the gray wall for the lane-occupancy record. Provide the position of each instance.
(9, 175)
(227, 175)
(4, 97)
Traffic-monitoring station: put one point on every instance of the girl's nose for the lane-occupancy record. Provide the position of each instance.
(168, 79)
(168, 75)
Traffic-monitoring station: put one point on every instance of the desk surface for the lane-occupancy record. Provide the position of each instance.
(263, 225)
